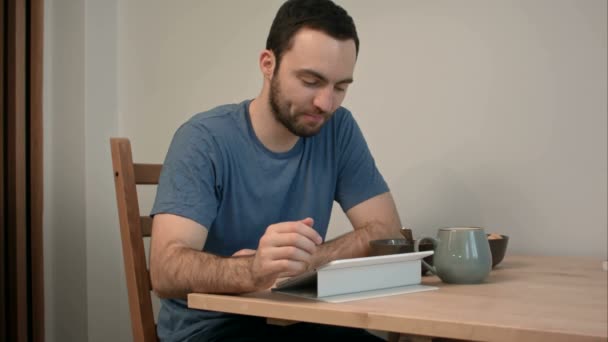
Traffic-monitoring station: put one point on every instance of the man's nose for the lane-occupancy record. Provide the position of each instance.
(324, 99)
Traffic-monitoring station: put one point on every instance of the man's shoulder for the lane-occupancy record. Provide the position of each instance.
(220, 116)
(207, 129)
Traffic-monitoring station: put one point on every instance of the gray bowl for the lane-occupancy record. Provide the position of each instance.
(498, 247)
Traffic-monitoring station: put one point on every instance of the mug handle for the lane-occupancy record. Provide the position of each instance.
(431, 269)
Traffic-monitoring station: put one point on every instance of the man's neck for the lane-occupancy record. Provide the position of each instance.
(273, 135)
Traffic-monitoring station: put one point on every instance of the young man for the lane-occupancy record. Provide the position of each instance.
(246, 190)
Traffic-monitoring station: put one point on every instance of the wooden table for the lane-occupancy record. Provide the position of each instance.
(526, 298)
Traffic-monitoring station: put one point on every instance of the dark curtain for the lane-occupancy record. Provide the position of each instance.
(21, 173)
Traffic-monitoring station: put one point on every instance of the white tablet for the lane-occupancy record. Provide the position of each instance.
(310, 277)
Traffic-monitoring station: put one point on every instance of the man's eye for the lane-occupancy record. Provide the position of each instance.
(310, 83)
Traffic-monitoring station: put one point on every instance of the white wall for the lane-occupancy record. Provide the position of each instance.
(107, 303)
(86, 297)
(64, 172)
(492, 114)
(480, 113)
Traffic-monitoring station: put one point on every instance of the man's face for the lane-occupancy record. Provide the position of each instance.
(311, 81)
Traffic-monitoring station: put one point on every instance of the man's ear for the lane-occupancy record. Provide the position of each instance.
(267, 63)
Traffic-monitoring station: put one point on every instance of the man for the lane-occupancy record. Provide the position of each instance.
(246, 190)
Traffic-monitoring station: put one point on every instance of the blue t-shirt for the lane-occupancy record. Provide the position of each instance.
(219, 174)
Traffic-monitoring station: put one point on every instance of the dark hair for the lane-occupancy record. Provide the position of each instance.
(322, 15)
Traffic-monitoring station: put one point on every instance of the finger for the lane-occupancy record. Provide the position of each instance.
(309, 232)
(288, 268)
(288, 253)
(309, 221)
(293, 240)
(300, 228)
(244, 252)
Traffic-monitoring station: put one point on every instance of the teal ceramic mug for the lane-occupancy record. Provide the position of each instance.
(462, 255)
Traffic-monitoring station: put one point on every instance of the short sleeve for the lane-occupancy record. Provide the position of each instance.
(358, 177)
(189, 177)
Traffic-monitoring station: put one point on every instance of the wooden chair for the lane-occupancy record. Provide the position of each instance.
(133, 228)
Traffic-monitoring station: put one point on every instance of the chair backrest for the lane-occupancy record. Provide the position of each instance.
(133, 228)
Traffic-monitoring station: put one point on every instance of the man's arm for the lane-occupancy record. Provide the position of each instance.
(178, 267)
(375, 218)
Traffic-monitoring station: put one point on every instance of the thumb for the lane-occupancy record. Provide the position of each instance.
(308, 221)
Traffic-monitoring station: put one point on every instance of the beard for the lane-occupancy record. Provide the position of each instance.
(280, 110)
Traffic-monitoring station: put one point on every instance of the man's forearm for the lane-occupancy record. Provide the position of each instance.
(194, 271)
(354, 244)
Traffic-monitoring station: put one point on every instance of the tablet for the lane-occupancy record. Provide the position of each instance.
(310, 277)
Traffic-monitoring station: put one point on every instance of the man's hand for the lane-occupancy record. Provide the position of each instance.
(244, 252)
(286, 249)
(375, 218)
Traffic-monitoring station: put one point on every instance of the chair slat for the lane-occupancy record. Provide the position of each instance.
(146, 226)
(147, 173)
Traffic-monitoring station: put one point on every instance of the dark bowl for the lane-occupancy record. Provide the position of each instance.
(498, 247)
(397, 246)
